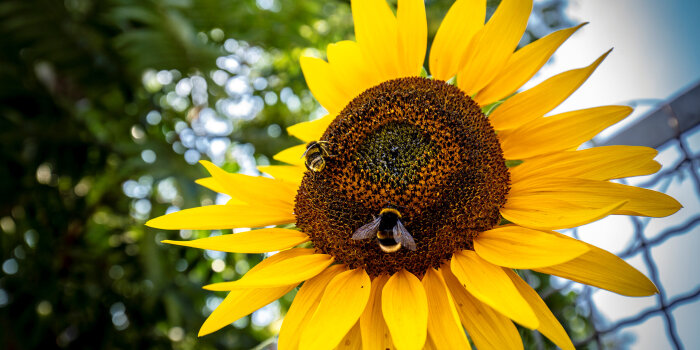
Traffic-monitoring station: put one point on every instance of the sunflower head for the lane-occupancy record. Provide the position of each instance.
(416, 161)
(416, 144)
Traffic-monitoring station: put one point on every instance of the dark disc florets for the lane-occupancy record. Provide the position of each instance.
(418, 145)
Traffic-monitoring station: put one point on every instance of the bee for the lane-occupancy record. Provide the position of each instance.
(390, 232)
(315, 151)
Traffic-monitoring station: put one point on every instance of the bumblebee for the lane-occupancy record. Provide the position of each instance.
(315, 151)
(387, 228)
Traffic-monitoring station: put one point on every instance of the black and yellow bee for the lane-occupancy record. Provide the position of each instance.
(390, 233)
(315, 153)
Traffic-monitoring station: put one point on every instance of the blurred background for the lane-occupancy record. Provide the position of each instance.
(107, 106)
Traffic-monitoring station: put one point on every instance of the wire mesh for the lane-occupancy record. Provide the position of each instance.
(683, 169)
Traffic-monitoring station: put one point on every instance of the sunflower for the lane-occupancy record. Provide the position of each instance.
(423, 194)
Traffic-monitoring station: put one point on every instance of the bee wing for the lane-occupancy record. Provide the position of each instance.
(402, 236)
(368, 230)
(305, 152)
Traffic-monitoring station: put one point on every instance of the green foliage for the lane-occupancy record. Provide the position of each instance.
(513, 162)
(74, 100)
(99, 101)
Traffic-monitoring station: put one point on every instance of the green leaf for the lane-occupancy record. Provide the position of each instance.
(513, 162)
(423, 73)
(490, 107)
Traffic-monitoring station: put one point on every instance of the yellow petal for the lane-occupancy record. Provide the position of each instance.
(462, 21)
(604, 270)
(549, 325)
(598, 163)
(213, 184)
(443, 320)
(352, 340)
(213, 217)
(430, 344)
(488, 329)
(488, 283)
(491, 47)
(292, 155)
(303, 307)
(544, 135)
(254, 189)
(377, 34)
(311, 130)
(413, 36)
(255, 241)
(535, 102)
(522, 65)
(552, 214)
(375, 333)
(320, 79)
(340, 307)
(240, 303)
(405, 309)
(281, 256)
(596, 194)
(289, 173)
(284, 255)
(285, 272)
(351, 68)
(522, 248)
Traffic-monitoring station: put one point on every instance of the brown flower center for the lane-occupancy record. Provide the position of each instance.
(419, 146)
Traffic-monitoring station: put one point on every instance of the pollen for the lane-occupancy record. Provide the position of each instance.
(418, 145)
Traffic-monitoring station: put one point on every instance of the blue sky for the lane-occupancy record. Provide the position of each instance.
(656, 49)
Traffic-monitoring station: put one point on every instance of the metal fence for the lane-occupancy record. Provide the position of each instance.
(673, 129)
